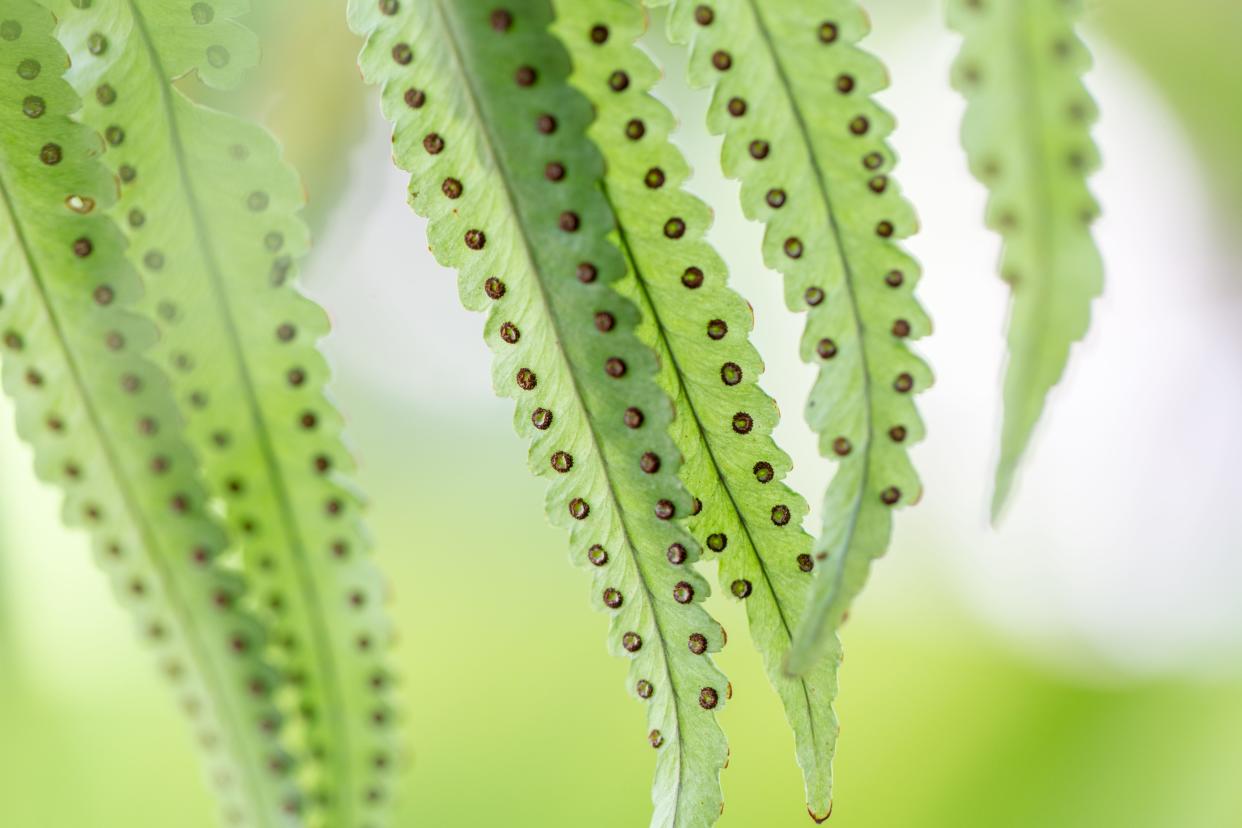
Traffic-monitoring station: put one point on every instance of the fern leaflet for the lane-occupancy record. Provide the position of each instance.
(699, 328)
(495, 141)
(1027, 135)
(212, 215)
(105, 428)
(792, 95)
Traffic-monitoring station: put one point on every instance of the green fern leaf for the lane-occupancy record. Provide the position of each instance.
(212, 215)
(495, 140)
(1027, 135)
(104, 425)
(792, 98)
(699, 328)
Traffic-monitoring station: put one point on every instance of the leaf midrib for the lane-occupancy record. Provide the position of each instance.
(330, 677)
(474, 101)
(855, 312)
(1036, 155)
(711, 454)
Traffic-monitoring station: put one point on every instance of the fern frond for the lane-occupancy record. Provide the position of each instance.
(495, 140)
(1027, 134)
(212, 215)
(105, 428)
(699, 327)
(792, 98)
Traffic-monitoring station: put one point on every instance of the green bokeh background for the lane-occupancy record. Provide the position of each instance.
(515, 714)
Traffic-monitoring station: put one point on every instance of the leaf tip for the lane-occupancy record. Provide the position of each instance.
(1006, 475)
(820, 817)
(1000, 494)
(798, 659)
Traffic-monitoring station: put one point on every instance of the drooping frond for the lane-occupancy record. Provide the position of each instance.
(1027, 133)
(211, 211)
(494, 138)
(792, 96)
(104, 426)
(700, 329)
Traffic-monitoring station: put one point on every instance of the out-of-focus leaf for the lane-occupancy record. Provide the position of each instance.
(1027, 134)
(213, 216)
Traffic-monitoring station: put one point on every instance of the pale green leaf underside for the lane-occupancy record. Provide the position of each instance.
(792, 98)
(494, 138)
(1027, 135)
(212, 213)
(749, 518)
(104, 425)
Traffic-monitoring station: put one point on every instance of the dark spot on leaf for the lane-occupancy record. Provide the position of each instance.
(764, 472)
(597, 555)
